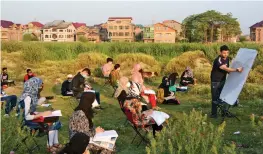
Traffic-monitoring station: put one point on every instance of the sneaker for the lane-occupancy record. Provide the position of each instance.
(213, 116)
(6, 115)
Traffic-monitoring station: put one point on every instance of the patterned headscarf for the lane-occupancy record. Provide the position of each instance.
(134, 90)
(31, 88)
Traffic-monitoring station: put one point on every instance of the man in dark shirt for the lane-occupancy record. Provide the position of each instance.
(65, 89)
(218, 76)
(4, 76)
(78, 82)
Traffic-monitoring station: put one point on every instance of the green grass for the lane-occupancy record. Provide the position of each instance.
(112, 118)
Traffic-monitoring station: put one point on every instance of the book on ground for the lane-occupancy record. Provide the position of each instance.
(159, 117)
(56, 113)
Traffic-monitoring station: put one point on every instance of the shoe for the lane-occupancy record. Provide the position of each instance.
(213, 116)
(6, 115)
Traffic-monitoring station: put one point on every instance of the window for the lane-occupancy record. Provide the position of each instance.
(61, 30)
(46, 36)
(110, 27)
(114, 33)
(120, 27)
(115, 27)
(127, 33)
(54, 30)
(61, 36)
(121, 34)
(126, 41)
(117, 34)
(127, 27)
(110, 34)
(46, 30)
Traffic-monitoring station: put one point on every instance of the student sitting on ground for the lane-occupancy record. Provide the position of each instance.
(137, 77)
(140, 113)
(4, 77)
(107, 68)
(115, 76)
(65, 88)
(81, 120)
(77, 145)
(165, 93)
(28, 101)
(187, 77)
(10, 101)
(29, 75)
(79, 84)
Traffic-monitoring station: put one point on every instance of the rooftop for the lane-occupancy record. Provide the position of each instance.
(6, 24)
(259, 24)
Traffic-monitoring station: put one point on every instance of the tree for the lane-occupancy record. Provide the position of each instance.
(210, 25)
(29, 37)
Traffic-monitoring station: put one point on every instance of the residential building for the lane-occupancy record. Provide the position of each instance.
(11, 31)
(148, 34)
(256, 32)
(81, 30)
(175, 25)
(120, 29)
(164, 34)
(103, 32)
(59, 30)
(33, 28)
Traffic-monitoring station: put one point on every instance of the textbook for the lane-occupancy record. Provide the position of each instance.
(56, 113)
(159, 117)
(106, 139)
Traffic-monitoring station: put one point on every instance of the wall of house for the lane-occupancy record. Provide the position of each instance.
(120, 30)
(163, 34)
(11, 34)
(259, 34)
(174, 25)
(59, 35)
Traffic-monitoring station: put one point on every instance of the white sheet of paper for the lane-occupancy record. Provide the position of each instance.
(159, 117)
(235, 80)
(105, 136)
(149, 92)
(45, 105)
(56, 113)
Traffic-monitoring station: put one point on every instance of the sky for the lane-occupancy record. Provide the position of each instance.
(142, 12)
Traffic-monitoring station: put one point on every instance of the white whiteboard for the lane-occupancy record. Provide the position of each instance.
(235, 80)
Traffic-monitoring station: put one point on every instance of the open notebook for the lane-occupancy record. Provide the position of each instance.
(56, 113)
(159, 117)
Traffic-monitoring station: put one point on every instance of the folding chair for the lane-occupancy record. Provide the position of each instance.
(224, 109)
(136, 129)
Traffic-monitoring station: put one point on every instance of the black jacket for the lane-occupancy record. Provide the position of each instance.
(65, 88)
(78, 85)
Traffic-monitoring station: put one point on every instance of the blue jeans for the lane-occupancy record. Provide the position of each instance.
(10, 103)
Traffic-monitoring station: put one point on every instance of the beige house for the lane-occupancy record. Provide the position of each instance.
(175, 25)
(59, 31)
(33, 28)
(120, 29)
(164, 34)
(11, 31)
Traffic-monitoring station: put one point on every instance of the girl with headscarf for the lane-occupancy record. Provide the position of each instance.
(187, 77)
(81, 121)
(28, 101)
(137, 77)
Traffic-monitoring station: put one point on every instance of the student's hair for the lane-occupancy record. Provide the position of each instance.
(117, 66)
(109, 60)
(5, 68)
(224, 48)
(28, 70)
(86, 70)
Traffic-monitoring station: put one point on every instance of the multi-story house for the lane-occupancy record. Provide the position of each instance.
(175, 25)
(11, 31)
(120, 29)
(103, 32)
(81, 30)
(148, 34)
(33, 28)
(256, 32)
(59, 30)
(164, 34)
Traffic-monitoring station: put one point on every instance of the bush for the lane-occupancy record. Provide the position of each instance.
(29, 37)
(190, 134)
(251, 91)
(34, 53)
(127, 61)
(11, 46)
(82, 39)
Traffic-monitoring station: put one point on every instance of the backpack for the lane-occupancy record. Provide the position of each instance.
(160, 95)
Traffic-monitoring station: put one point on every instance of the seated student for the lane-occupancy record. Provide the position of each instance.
(29, 75)
(77, 145)
(168, 93)
(81, 120)
(79, 84)
(122, 90)
(107, 68)
(187, 77)
(10, 101)
(65, 88)
(137, 77)
(28, 101)
(139, 111)
(4, 76)
(115, 75)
